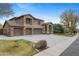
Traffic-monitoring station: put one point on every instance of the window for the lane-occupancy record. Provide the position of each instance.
(28, 21)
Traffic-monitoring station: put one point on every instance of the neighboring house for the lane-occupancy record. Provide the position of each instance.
(26, 25)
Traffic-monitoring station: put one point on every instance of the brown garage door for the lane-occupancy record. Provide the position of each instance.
(28, 31)
(37, 31)
(18, 31)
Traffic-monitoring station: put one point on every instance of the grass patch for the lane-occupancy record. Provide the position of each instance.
(16, 48)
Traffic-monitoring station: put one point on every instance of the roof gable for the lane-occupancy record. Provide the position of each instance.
(15, 18)
(33, 17)
(5, 24)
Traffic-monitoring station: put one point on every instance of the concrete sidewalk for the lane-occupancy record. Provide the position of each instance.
(57, 49)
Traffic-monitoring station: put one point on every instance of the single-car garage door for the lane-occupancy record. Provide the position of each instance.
(28, 31)
(37, 31)
(18, 31)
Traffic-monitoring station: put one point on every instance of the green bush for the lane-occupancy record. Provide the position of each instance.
(57, 28)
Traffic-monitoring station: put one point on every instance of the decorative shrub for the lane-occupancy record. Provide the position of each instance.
(57, 28)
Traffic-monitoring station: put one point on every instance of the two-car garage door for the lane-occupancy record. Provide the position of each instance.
(29, 31)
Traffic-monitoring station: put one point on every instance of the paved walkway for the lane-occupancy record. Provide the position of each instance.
(57, 44)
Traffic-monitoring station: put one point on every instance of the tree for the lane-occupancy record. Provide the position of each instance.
(69, 19)
(57, 28)
(6, 10)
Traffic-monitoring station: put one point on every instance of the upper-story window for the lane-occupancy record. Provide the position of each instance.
(28, 21)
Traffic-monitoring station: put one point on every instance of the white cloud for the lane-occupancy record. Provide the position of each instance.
(50, 19)
(26, 6)
(2, 21)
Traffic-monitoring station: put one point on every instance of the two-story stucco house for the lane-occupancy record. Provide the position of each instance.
(26, 25)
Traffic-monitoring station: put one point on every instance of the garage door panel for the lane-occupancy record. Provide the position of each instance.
(28, 31)
(18, 31)
(37, 31)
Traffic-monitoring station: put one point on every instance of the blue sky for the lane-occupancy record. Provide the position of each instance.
(46, 11)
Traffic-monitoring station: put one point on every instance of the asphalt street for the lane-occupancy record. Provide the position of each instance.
(72, 50)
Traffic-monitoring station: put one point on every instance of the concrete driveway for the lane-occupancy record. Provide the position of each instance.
(57, 43)
(51, 39)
